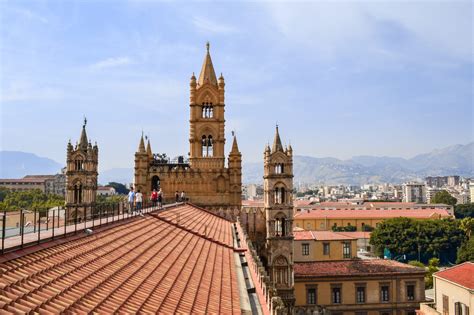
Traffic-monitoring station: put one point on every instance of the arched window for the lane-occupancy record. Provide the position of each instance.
(207, 146)
(207, 110)
(279, 195)
(280, 271)
(279, 168)
(155, 182)
(78, 165)
(78, 193)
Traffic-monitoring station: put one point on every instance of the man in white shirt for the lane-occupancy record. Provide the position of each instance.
(138, 201)
(131, 200)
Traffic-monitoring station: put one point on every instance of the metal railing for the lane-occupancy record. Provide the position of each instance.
(29, 227)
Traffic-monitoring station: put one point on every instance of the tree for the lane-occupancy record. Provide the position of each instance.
(119, 188)
(462, 211)
(433, 264)
(466, 251)
(30, 199)
(367, 228)
(416, 263)
(467, 225)
(3, 193)
(444, 197)
(422, 239)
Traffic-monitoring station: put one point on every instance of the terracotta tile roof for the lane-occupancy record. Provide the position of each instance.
(320, 236)
(374, 214)
(354, 267)
(149, 265)
(356, 234)
(462, 274)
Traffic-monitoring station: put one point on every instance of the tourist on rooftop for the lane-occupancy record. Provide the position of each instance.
(160, 198)
(176, 196)
(131, 199)
(183, 196)
(138, 201)
(154, 197)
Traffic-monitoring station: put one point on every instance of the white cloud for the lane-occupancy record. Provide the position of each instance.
(205, 25)
(111, 62)
(31, 15)
(335, 28)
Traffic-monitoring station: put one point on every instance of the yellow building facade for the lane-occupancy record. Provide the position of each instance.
(323, 220)
(323, 246)
(358, 287)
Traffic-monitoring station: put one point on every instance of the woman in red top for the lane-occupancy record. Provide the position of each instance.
(154, 198)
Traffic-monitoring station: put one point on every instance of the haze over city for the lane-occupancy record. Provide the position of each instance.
(341, 80)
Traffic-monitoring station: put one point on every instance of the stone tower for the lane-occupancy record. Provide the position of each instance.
(207, 123)
(205, 178)
(81, 176)
(278, 190)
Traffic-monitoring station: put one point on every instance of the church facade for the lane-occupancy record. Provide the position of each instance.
(205, 178)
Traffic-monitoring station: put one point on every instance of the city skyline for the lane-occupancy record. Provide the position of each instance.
(372, 76)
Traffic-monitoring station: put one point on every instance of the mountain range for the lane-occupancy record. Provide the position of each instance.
(453, 160)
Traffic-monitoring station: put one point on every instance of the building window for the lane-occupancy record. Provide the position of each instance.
(206, 145)
(207, 110)
(279, 168)
(325, 248)
(336, 295)
(311, 296)
(461, 309)
(410, 292)
(346, 250)
(305, 249)
(360, 294)
(384, 293)
(445, 305)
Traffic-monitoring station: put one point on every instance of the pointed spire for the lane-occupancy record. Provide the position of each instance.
(83, 139)
(207, 71)
(235, 147)
(277, 142)
(141, 146)
(148, 149)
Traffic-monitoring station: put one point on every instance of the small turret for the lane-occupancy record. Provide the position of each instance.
(141, 146)
(83, 139)
(221, 82)
(277, 142)
(207, 75)
(148, 149)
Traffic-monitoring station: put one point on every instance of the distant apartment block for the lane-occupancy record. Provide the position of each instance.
(414, 192)
(105, 191)
(49, 184)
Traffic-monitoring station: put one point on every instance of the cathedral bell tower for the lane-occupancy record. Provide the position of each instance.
(81, 176)
(206, 136)
(278, 195)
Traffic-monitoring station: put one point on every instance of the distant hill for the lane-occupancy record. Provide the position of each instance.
(16, 164)
(118, 175)
(453, 160)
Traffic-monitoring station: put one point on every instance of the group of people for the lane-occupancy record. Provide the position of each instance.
(135, 199)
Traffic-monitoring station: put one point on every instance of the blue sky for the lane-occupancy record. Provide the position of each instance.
(340, 78)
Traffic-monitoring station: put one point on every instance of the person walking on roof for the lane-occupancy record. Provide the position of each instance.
(131, 200)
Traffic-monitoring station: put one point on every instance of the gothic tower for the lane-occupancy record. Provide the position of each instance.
(142, 159)
(207, 138)
(81, 176)
(278, 189)
(235, 173)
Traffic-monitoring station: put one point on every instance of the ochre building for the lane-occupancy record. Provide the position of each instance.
(204, 177)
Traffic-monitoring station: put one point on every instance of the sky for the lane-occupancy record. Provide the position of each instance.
(341, 78)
